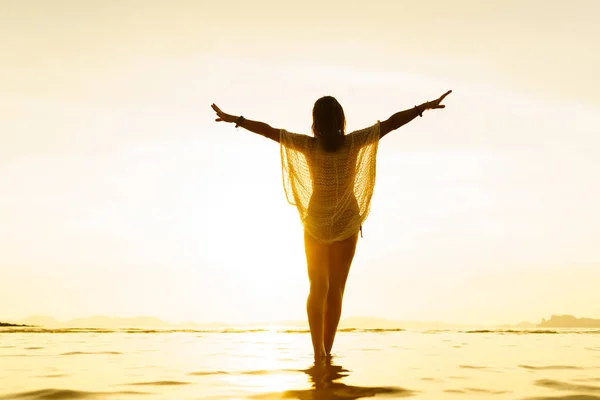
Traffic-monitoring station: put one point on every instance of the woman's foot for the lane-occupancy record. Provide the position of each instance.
(321, 356)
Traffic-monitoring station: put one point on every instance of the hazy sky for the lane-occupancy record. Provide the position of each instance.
(120, 195)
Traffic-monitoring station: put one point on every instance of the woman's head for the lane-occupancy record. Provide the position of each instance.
(329, 122)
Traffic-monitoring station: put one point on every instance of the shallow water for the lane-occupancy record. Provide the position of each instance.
(272, 363)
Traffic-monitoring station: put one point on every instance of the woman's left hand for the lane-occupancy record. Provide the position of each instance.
(436, 103)
(223, 116)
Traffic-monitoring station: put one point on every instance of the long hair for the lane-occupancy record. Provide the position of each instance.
(329, 123)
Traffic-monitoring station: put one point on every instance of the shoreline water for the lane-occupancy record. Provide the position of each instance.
(271, 363)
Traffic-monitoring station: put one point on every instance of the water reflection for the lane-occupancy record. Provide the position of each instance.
(325, 379)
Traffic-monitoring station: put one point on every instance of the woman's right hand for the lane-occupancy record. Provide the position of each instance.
(430, 105)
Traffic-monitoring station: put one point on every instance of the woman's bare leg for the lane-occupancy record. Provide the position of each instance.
(340, 259)
(317, 259)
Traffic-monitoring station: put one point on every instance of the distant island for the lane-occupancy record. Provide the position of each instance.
(9, 324)
(100, 321)
(559, 321)
(569, 321)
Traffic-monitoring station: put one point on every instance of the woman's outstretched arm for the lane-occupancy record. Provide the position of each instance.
(253, 126)
(403, 117)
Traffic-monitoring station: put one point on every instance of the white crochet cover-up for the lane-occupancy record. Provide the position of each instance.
(331, 190)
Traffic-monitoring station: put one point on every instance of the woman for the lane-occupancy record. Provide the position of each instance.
(329, 177)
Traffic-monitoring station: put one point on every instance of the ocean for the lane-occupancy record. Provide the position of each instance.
(276, 363)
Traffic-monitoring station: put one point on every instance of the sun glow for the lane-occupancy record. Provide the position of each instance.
(264, 363)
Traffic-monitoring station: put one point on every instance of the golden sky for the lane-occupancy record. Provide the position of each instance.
(120, 195)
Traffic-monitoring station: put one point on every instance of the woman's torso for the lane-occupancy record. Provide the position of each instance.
(333, 204)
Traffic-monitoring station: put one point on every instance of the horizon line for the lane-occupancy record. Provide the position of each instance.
(366, 319)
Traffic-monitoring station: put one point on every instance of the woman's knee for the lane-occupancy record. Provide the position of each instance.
(317, 297)
(319, 288)
(335, 295)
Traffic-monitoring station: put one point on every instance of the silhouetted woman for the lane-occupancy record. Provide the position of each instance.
(330, 178)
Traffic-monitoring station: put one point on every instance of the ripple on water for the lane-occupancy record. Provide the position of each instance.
(262, 372)
(64, 394)
(545, 367)
(569, 397)
(256, 372)
(78, 353)
(558, 385)
(472, 367)
(476, 390)
(17, 355)
(159, 383)
(208, 373)
(489, 391)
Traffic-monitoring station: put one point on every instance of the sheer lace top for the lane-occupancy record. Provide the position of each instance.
(331, 190)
